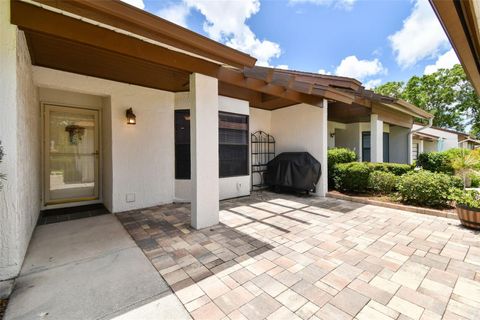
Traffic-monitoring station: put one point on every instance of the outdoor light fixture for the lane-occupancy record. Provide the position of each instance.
(131, 117)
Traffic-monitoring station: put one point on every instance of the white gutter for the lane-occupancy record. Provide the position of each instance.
(410, 135)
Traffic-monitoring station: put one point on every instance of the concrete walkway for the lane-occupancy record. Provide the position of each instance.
(90, 269)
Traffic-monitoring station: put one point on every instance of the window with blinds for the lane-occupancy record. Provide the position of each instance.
(233, 144)
(232, 148)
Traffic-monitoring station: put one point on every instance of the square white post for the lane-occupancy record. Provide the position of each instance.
(322, 186)
(376, 139)
(204, 148)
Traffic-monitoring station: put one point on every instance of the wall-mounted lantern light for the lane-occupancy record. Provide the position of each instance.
(131, 118)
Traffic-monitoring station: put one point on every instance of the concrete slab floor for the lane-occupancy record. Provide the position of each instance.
(89, 269)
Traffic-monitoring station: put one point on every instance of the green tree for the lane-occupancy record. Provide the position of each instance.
(392, 89)
(447, 94)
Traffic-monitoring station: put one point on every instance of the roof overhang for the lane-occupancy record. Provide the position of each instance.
(84, 37)
(127, 18)
(461, 22)
(425, 136)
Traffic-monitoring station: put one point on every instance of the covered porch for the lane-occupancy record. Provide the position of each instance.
(73, 85)
(378, 129)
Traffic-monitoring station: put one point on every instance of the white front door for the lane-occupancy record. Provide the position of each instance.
(71, 155)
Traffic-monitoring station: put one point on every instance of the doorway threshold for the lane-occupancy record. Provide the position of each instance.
(71, 213)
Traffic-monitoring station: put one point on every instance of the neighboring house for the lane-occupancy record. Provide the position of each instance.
(105, 103)
(460, 21)
(440, 139)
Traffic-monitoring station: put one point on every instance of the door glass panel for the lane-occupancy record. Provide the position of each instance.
(72, 155)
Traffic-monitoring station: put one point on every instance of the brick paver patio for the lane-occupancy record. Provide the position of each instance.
(285, 257)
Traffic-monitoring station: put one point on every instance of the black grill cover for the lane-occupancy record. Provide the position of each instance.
(294, 170)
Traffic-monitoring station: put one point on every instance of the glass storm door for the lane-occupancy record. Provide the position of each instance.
(71, 155)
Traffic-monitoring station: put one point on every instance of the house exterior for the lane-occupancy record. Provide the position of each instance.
(439, 139)
(105, 103)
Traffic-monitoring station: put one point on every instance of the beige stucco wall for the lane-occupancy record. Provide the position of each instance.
(399, 144)
(19, 133)
(302, 128)
(350, 137)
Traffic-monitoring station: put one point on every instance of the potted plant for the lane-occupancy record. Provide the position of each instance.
(468, 207)
(465, 164)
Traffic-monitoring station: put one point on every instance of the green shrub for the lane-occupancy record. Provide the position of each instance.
(435, 162)
(468, 198)
(352, 176)
(382, 182)
(440, 161)
(336, 156)
(426, 188)
(474, 180)
(395, 168)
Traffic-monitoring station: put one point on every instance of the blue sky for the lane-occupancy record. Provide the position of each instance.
(374, 41)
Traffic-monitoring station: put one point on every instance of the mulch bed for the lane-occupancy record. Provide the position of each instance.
(3, 307)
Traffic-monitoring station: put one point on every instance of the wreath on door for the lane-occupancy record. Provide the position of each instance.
(75, 133)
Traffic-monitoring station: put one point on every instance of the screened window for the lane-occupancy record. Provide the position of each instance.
(233, 144)
(182, 144)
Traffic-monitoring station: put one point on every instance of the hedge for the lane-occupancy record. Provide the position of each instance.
(354, 176)
(425, 188)
(336, 156)
(395, 168)
(382, 182)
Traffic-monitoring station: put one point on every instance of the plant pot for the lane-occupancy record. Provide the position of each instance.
(469, 217)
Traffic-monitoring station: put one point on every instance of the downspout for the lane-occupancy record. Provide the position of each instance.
(410, 134)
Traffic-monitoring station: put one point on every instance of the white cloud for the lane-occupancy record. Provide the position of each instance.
(372, 83)
(340, 4)
(176, 13)
(323, 71)
(282, 66)
(445, 61)
(225, 21)
(352, 67)
(135, 3)
(421, 36)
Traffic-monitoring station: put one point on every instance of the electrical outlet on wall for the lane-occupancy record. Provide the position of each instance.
(130, 197)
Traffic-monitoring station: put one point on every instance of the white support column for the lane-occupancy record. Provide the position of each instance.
(376, 139)
(322, 187)
(204, 148)
(420, 147)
